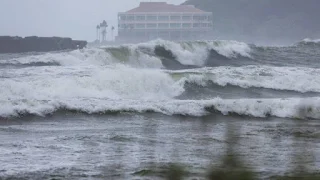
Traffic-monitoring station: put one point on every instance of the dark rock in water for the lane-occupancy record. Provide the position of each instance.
(10, 44)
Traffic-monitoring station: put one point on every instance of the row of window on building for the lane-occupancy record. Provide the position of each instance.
(165, 25)
(165, 18)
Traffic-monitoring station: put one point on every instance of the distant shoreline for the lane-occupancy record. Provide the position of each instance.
(9, 44)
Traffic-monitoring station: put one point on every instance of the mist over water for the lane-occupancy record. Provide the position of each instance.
(263, 21)
(155, 84)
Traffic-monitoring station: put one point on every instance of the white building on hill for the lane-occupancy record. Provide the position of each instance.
(152, 20)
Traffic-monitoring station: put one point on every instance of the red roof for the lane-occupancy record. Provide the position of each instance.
(163, 7)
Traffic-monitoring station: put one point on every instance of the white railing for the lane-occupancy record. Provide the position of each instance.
(155, 16)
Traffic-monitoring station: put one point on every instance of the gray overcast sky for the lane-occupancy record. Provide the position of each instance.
(67, 18)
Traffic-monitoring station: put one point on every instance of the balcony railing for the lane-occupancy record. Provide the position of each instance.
(168, 17)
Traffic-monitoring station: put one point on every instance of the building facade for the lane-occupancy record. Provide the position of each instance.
(152, 20)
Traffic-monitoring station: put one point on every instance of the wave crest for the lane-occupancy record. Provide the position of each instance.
(197, 52)
(143, 55)
(122, 89)
(261, 108)
(279, 78)
(309, 42)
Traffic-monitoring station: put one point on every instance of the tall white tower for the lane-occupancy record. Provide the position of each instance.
(98, 33)
(103, 27)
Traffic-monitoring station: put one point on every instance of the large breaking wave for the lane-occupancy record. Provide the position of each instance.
(153, 77)
(44, 90)
(179, 55)
(154, 54)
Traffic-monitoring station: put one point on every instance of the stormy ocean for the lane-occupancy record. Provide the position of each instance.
(115, 112)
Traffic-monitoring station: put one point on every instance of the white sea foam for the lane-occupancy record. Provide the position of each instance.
(87, 57)
(231, 49)
(307, 40)
(298, 79)
(196, 53)
(187, 53)
(43, 89)
(284, 108)
(88, 82)
(128, 79)
(92, 89)
(76, 57)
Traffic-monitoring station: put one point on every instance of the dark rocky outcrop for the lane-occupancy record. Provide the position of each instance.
(263, 20)
(10, 44)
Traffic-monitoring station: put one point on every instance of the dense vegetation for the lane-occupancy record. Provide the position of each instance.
(263, 20)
